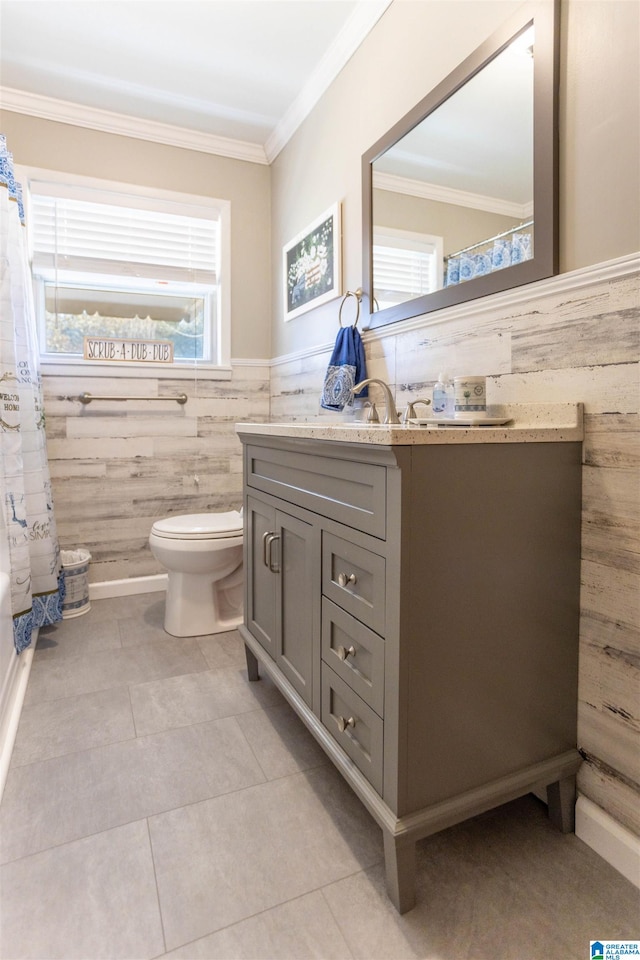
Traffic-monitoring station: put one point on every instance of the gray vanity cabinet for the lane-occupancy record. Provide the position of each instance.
(418, 607)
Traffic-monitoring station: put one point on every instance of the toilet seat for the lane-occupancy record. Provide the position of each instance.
(200, 526)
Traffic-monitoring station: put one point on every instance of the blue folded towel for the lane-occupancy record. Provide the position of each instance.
(346, 368)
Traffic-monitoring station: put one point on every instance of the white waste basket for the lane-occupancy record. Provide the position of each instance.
(75, 570)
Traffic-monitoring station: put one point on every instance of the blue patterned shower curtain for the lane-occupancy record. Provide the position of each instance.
(25, 487)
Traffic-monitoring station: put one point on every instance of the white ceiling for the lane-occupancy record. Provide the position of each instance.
(241, 70)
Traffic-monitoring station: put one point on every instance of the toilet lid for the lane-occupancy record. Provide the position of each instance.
(200, 526)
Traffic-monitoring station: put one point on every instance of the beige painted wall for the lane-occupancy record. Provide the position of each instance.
(90, 153)
(116, 471)
(414, 46)
(599, 131)
(458, 226)
(401, 60)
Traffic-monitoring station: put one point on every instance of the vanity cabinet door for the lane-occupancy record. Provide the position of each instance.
(260, 585)
(294, 602)
(280, 589)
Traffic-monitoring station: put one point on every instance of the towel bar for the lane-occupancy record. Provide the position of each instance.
(88, 397)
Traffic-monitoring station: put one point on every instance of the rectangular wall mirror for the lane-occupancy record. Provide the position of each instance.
(460, 197)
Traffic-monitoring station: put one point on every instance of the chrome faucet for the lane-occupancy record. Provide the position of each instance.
(391, 415)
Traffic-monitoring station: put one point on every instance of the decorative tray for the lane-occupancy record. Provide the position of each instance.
(471, 421)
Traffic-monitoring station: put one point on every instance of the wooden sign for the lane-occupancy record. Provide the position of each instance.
(107, 350)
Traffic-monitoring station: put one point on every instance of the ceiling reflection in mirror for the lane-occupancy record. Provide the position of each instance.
(452, 195)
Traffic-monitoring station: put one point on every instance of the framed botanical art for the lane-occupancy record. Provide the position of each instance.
(312, 265)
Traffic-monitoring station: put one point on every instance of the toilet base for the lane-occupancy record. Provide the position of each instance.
(196, 607)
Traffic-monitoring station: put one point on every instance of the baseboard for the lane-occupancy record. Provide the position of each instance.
(13, 691)
(613, 842)
(610, 840)
(126, 588)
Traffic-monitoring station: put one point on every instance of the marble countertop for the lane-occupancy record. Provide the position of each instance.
(528, 423)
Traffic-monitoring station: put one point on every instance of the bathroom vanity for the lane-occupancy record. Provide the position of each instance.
(414, 594)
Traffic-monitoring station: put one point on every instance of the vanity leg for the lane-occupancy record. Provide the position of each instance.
(252, 664)
(400, 867)
(561, 800)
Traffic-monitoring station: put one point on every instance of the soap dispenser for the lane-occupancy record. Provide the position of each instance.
(443, 398)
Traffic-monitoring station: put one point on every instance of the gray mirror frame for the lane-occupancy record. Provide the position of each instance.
(545, 15)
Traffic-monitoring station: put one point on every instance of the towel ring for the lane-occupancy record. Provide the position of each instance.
(350, 293)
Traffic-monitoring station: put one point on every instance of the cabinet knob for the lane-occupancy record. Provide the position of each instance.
(344, 652)
(345, 578)
(343, 723)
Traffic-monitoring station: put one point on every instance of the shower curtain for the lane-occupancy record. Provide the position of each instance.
(37, 586)
(494, 254)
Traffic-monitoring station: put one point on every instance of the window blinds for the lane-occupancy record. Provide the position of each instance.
(86, 236)
(400, 270)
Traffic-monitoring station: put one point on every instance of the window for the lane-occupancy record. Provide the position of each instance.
(112, 263)
(405, 265)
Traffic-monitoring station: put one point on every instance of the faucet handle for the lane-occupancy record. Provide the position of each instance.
(410, 412)
(372, 415)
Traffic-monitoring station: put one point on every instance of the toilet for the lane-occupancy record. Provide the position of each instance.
(202, 553)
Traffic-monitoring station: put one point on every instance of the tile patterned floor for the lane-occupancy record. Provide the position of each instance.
(160, 806)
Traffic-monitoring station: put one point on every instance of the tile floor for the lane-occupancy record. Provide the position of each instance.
(159, 805)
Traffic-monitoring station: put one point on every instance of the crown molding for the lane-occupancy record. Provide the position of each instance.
(431, 191)
(64, 111)
(364, 17)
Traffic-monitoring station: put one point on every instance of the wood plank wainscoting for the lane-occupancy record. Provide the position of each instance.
(571, 338)
(116, 467)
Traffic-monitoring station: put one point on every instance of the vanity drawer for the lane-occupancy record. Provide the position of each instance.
(353, 725)
(354, 578)
(344, 490)
(355, 653)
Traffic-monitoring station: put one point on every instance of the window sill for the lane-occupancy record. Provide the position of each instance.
(141, 371)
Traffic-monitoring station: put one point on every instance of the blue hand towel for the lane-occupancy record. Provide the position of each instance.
(346, 368)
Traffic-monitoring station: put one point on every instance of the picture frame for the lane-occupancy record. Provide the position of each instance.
(312, 265)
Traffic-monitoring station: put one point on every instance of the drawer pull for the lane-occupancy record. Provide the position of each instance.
(345, 578)
(344, 652)
(267, 542)
(265, 536)
(343, 723)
